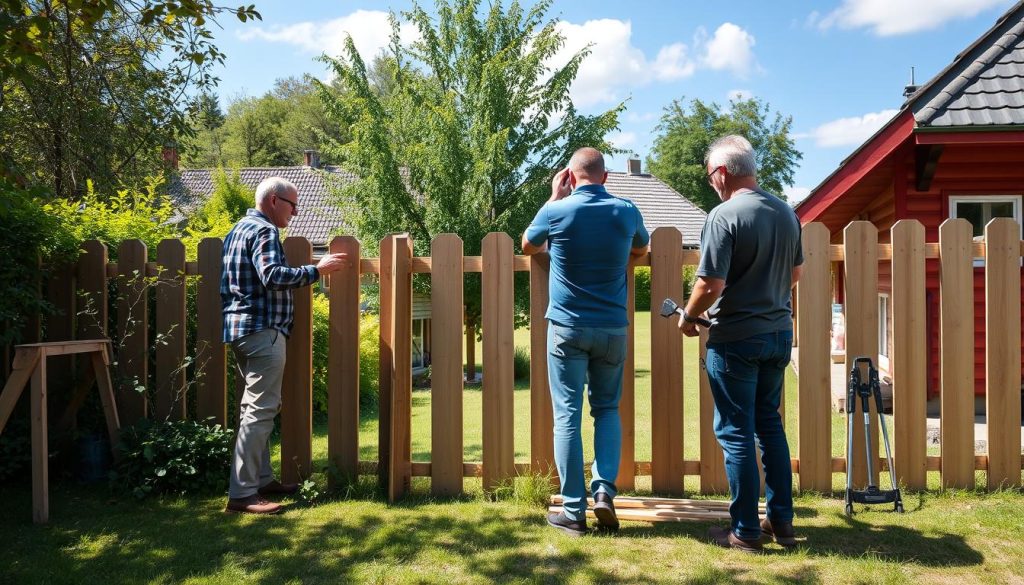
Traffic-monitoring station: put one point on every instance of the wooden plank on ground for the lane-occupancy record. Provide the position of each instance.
(446, 290)
(169, 400)
(385, 383)
(910, 353)
(666, 364)
(400, 472)
(712, 459)
(542, 422)
(297, 389)
(660, 515)
(343, 364)
(1002, 352)
(626, 480)
(133, 331)
(860, 244)
(956, 296)
(814, 382)
(638, 503)
(211, 353)
(498, 349)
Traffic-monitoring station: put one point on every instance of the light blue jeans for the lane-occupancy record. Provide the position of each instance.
(591, 356)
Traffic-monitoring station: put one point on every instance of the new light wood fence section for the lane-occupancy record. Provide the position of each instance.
(860, 253)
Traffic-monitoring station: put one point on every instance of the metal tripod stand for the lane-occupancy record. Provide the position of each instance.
(865, 390)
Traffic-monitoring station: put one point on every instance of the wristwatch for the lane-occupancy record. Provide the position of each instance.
(689, 319)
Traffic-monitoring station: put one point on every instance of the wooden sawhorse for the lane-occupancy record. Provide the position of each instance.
(30, 363)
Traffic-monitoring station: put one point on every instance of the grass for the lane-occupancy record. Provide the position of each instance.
(94, 537)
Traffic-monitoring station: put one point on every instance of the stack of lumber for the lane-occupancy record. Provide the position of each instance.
(661, 509)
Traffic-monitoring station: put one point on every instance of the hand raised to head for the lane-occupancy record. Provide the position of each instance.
(561, 185)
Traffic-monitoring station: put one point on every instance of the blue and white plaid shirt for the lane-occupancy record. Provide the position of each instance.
(255, 287)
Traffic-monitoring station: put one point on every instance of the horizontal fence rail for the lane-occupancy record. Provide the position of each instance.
(81, 293)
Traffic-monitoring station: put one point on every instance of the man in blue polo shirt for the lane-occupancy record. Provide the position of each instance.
(590, 236)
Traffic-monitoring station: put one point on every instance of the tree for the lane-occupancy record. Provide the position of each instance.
(469, 133)
(203, 147)
(91, 89)
(253, 132)
(684, 136)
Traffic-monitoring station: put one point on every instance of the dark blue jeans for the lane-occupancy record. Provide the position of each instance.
(746, 381)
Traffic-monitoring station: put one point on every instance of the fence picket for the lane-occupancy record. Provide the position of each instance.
(385, 383)
(400, 437)
(910, 353)
(627, 404)
(446, 289)
(211, 353)
(133, 327)
(814, 361)
(1002, 352)
(542, 440)
(169, 399)
(498, 349)
(666, 365)
(343, 364)
(60, 292)
(297, 388)
(860, 245)
(956, 294)
(712, 462)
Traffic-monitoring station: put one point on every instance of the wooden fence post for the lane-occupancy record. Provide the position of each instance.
(860, 243)
(170, 397)
(343, 365)
(385, 383)
(211, 353)
(133, 328)
(400, 433)
(814, 359)
(956, 294)
(297, 389)
(498, 346)
(666, 365)
(1002, 352)
(542, 449)
(910, 353)
(627, 404)
(446, 290)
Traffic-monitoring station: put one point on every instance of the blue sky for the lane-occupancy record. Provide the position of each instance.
(837, 67)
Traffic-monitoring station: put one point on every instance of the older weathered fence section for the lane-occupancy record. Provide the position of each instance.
(860, 254)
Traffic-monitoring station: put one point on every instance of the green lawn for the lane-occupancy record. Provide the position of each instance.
(96, 537)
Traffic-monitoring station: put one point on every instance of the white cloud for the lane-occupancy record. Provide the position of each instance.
(731, 48)
(370, 31)
(889, 17)
(796, 194)
(738, 95)
(622, 139)
(644, 117)
(848, 131)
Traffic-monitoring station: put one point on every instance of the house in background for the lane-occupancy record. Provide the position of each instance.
(954, 150)
(320, 219)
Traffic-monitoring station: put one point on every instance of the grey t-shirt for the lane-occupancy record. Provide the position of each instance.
(753, 242)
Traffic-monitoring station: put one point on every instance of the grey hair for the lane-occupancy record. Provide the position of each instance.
(733, 152)
(273, 186)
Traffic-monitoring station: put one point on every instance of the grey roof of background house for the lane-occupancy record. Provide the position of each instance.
(660, 204)
(319, 218)
(983, 86)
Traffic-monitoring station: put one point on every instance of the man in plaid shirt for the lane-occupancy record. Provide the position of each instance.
(256, 293)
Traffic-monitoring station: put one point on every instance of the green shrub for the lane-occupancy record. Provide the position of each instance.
(218, 214)
(15, 448)
(175, 457)
(521, 363)
(643, 288)
(369, 356)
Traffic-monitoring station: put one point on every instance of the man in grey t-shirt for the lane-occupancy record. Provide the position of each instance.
(750, 260)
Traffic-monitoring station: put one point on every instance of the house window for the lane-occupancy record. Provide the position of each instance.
(981, 209)
(417, 343)
(883, 331)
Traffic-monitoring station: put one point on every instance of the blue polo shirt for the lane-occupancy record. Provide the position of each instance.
(589, 236)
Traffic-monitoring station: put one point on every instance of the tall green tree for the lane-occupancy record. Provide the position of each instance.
(203, 147)
(91, 89)
(685, 132)
(465, 132)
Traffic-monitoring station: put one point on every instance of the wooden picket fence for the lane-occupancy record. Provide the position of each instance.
(814, 463)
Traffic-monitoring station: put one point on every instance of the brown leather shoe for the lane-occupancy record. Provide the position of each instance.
(782, 532)
(276, 488)
(254, 504)
(726, 538)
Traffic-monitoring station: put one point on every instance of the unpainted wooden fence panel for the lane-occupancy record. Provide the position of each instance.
(666, 365)
(498, 348)
(542, 440)
(400, 437)
(712, 462)
(133, 330)
(956, 341)
(385, 383)
(297, 388)
(814, 361)
(446, 290)
(860, 247)
(343, 364)
(169, 399)
(211, 353)
(910, 353)
(60, 292)
(627, 404)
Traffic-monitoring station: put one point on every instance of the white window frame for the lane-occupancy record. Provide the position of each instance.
(423, 354)
(1016, 200)
(883, 330)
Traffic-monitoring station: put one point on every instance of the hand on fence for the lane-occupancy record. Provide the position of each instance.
(332, 263)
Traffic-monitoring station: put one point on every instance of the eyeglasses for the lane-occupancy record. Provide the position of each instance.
(295, 206)
(712, 174)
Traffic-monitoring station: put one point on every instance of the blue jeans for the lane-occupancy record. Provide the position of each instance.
(593, 356)
(746, 381)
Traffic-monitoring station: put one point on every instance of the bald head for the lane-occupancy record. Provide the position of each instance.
(587, 164)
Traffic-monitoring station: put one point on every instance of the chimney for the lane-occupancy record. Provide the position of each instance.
(910, 89)
(633, 165)
(311, 158)
(170, 156)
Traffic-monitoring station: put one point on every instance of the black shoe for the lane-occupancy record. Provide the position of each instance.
(570, 527)
(604, 509)
(724, 536)
(782, 532)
